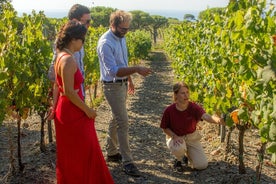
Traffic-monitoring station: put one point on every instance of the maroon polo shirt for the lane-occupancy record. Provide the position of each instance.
(182, 122)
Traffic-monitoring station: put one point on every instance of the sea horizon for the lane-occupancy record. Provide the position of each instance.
(179, 14)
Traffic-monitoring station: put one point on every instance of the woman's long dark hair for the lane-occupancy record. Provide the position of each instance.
(71, 30)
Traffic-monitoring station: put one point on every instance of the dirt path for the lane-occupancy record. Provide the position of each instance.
(147, 142)
(146, 138)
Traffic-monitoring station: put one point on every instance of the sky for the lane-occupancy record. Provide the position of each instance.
(166, 8)
(64, 5)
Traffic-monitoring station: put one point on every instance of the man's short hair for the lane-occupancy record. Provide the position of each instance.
(77, 11)
(120, 16)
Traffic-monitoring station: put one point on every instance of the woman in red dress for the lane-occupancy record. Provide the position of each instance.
(79, 156)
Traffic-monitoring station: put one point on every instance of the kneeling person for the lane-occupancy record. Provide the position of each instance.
(179, 124)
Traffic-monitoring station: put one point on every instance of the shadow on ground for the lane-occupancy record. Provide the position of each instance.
(148, 141)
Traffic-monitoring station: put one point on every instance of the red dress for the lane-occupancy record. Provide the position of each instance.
(79, 156)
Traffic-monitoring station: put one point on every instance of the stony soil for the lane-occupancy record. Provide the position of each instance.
(147, 142)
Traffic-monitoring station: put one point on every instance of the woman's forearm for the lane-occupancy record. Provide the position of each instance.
(213, 119)
(169, 132)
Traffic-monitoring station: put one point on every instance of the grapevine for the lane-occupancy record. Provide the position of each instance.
(229, 61)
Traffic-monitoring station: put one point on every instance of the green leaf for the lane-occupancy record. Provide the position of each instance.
(228, 120)
(242, 113)
(273, 158)
(242, 70)
(268, 74)
(264, 131)
(272, 147)
(273, 114)
(272, 131)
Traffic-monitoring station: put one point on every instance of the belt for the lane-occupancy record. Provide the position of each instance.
(116, 81)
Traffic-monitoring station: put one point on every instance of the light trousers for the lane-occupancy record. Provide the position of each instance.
(116, 95)
(192, 148)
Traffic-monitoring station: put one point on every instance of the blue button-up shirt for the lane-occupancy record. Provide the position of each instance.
(112, 53)
(79, 58)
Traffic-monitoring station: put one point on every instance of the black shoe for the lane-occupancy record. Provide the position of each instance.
(131, 169)
(185, 160)
(114, 158)
(178, 166)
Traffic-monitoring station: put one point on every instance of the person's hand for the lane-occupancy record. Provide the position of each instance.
(91, 113)
(219, 120)
(144, 71)
(131, 89)
(177, 140)
(50, 114)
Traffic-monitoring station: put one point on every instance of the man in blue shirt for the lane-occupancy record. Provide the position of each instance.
(116, 80)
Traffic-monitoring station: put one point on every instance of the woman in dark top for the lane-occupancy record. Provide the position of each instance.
(179, 124)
